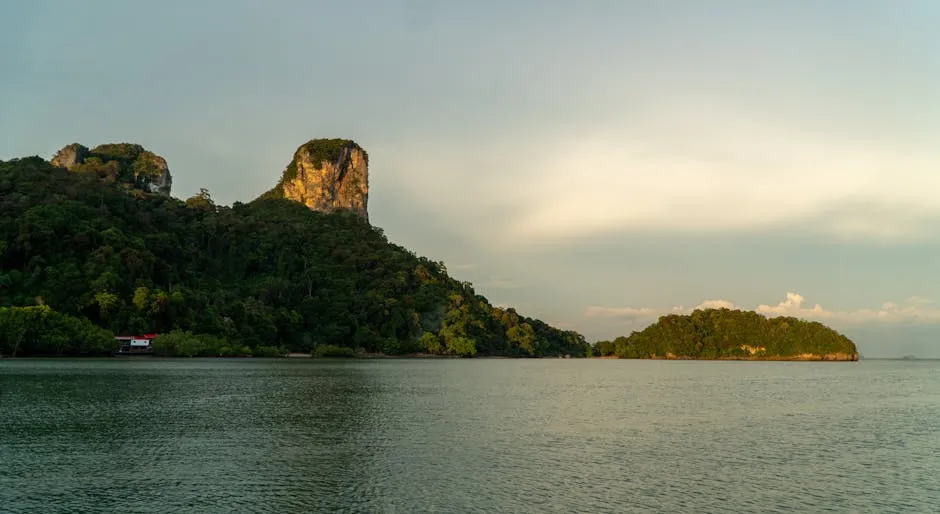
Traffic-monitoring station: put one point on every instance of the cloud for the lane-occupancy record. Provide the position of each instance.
(913, 310)
(650, 313)
(716, 304)
(680, 167)
(789, 307)
(746, 182)
(630, 313)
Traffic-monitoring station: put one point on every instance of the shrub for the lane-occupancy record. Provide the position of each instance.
(463, 346)
(270, 351)
(330, 350)
(39, 330)
(179, 343)
(430, 343)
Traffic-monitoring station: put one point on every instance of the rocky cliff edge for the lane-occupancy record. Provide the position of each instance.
(327, 175)
(126, 163)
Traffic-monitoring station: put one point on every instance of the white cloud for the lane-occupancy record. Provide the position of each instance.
(913, 310)
(716, 304)
(629, 313)
(791, 306)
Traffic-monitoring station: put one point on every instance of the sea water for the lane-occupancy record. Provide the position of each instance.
(153, 435)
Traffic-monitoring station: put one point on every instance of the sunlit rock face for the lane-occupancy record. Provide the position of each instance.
(328, 175)
(70, 155)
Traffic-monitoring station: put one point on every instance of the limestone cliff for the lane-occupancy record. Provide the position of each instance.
(128, 164)
(70, 155)
(328, 175)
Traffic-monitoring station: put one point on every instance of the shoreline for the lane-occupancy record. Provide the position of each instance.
(781, 358)
(431, 356)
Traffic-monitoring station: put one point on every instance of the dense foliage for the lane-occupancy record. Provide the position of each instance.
(178, 343)
(129, 164)
(39, 330)
(728, 334)
(236, 280)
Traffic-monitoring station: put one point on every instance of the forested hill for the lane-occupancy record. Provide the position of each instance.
(82, 258)
(732, 334)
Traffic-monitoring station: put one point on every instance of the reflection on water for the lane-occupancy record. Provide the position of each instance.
(156, 436)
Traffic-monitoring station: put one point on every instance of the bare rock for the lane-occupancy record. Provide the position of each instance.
(328, 175)
(70, 155)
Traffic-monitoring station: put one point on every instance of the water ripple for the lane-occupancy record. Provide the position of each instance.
(160, 436)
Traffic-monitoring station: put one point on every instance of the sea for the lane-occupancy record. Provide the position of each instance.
(150, 435)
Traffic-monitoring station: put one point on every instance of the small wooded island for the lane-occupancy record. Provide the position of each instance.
(93, 245)
(733, 335)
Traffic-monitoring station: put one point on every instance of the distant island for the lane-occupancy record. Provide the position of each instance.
(94, 247)
(725, 334)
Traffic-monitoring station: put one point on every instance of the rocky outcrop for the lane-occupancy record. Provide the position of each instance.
(328, 175)
(70, 155)
(152, 173)
(129, 164)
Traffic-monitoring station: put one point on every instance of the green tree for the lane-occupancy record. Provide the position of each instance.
(462, 346)
(431, 343)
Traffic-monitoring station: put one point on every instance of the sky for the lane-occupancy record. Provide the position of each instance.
(595, 164)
